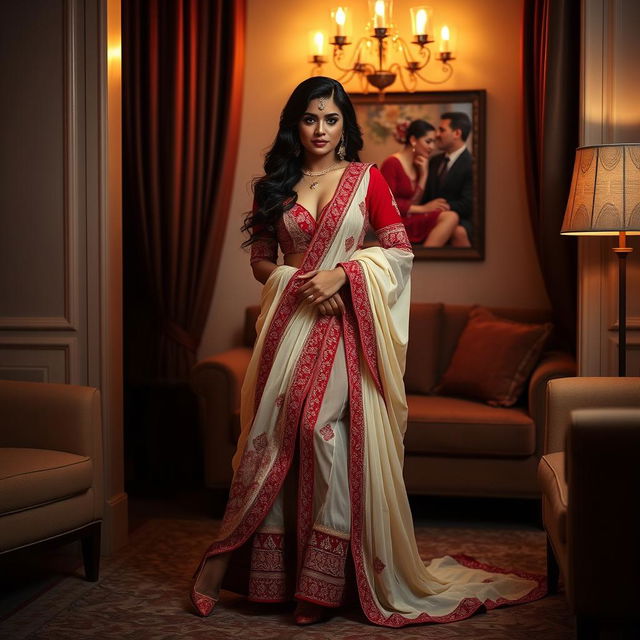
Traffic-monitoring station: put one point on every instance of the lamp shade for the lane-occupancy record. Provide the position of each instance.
(605, 191)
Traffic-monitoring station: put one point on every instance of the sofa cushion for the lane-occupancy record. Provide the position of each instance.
(494, 358)
(452, 426)
(30, 477)
(425, 324)
(553, 484)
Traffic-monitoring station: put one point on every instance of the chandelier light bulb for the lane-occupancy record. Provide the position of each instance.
(379, 14)
(318, 40)
(445, 36)
(421, 22)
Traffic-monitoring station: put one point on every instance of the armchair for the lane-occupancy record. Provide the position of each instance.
(50, 468)
(590, 495)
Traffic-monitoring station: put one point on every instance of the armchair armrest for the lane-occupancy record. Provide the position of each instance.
(553, 364)
(218, 380)
(566, 394)
(221, 376)
(39, 415)
(603, 519)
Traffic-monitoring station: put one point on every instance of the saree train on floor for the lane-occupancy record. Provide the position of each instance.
(334, 387)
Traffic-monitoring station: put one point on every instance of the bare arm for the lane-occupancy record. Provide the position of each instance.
(262, 269)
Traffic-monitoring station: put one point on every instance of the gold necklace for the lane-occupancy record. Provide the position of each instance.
(316, 174)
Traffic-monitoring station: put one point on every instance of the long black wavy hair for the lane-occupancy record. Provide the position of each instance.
(274, 192)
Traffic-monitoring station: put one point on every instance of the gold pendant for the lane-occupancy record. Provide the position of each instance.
(314, 185)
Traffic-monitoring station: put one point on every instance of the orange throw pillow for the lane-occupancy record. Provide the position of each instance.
(493, 359)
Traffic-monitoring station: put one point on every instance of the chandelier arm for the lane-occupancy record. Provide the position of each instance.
(405, 49)
(336, 57)
(338, 54)
(358, 50)
(411, 87)
(446, 66)
(347, 77)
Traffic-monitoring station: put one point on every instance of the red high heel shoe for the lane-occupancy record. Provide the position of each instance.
(201, 602)
(309, 613)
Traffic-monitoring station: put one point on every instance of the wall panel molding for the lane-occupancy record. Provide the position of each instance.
(54, 358)
(73, 123)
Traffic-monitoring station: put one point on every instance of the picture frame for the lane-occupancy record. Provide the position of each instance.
(381, 122)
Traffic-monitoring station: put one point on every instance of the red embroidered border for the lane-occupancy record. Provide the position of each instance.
(275, 332)
(364, 315)
(334, 214)
(310, 417)
(320, 243)
(234, 536)
(357, 488)
(267, 580)
(394, 236)
(322, 578)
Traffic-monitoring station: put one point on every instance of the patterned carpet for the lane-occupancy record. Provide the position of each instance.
(142, 593)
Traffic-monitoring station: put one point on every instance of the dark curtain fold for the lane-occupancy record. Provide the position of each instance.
(551, 83)
(182, 83)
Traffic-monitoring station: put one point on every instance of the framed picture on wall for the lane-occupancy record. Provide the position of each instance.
(461, 185)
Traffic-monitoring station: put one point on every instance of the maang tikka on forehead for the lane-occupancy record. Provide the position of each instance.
(321, 103)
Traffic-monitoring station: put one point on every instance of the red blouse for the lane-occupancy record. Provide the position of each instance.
(295, 229)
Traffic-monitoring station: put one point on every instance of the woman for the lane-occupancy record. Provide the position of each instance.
(431, 224)
(325, 385)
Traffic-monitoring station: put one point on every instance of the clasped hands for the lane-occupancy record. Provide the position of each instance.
(321, 290)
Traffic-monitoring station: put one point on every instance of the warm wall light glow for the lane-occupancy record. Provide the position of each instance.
(114, 53)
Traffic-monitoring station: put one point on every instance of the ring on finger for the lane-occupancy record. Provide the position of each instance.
(310, 297)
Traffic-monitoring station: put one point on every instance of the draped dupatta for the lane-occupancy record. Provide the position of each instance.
(283, 392)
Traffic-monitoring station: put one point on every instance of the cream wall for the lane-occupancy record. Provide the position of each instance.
(488, 58)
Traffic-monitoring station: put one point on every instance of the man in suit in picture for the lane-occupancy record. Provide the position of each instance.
(451, 172)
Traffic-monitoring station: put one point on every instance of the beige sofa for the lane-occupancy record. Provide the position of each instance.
(453, 446)
(590, 495)
(50, 468)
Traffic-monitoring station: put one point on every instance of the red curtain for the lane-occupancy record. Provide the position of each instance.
(551, 86)
(182, 91)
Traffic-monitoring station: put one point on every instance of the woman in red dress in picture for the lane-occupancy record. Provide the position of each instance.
(431, 224)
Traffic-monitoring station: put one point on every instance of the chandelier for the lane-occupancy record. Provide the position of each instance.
(382, 55)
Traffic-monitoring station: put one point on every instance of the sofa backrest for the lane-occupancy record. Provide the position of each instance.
(434, 331)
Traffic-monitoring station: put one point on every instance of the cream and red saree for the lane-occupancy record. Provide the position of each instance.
(354, 498)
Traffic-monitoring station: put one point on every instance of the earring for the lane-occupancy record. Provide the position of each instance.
(413, 148)
(297, 149)
(342, 150)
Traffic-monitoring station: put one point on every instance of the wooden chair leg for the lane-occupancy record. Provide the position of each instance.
(91, 552)
(553, 570)
(587, 628)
